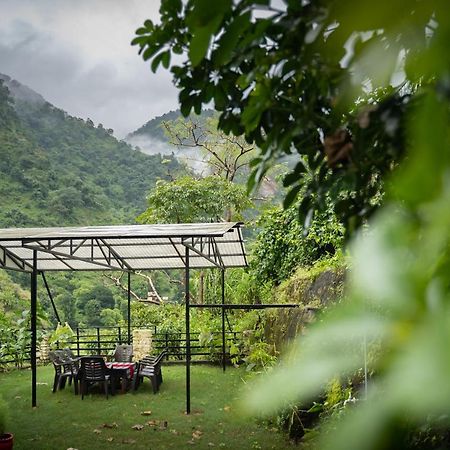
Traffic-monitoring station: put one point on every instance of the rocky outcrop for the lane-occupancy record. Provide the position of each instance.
(313, 290)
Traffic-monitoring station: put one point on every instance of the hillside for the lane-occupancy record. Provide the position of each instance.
(56, 169)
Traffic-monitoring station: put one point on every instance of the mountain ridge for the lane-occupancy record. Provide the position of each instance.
(56, 169)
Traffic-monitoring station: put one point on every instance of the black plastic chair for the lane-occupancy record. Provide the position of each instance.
(123, 353)
(65, 370)
(93, 370)
(67, 353)
(150, 367)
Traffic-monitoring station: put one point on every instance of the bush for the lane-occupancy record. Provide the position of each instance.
(282, 244)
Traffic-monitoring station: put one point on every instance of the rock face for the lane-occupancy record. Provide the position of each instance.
(313, 291)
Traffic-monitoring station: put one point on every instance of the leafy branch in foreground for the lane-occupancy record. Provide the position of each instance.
(288, 78)
(313, 78)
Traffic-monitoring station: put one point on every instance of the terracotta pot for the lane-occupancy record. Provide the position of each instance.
(6, 441)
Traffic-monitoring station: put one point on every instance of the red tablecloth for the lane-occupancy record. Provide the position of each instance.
(121, 365)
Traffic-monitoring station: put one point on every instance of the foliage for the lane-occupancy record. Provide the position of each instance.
(15, 320)
(304, 78)
(190, 200)
(225, 156)
(86, 299)
(280, 74)
(398, 297)
(251, 349)
(15, 338)
(111, 317)
(61, 336)
(282, 245)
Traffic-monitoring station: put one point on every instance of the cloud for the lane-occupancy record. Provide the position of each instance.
(77, 54)
(190, 156)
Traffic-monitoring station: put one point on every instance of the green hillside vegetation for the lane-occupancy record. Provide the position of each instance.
(59, 170)
(56, 169)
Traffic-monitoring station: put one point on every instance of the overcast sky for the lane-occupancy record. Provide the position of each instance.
(77, 54)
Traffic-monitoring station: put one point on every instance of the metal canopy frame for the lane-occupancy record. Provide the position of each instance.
(126, 248)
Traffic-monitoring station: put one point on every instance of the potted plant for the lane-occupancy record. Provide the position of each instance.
(6, 439)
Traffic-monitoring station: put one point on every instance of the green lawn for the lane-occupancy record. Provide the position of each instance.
(62, 420)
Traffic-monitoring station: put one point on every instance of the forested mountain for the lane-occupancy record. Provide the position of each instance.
(56, 169)
(153, 128)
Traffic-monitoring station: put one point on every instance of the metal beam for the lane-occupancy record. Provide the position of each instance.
(59, 256)
(188, 336)
(241, 241)
(33, 329)
(20, 264)
(51, 297)
(178, 252)
(116, 256)
(212, 261)
(129, 309)
(124, 243)
(216, 253)
(223, 318)
(244, 306)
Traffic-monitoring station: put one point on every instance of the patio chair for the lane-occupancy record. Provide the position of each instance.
(68, 353)
(64, 370)
(123, 353)
(93, 370)
(150, 367)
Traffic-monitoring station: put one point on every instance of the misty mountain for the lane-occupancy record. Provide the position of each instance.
(20, 92)
(150, 138)
(56, 169)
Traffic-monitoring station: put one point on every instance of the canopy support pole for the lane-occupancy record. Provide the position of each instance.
(223, 317)
(34, 274)
(188, 335)
(129, 309)
(50, 296)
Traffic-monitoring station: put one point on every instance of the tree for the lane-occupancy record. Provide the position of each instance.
(287, 78)
(313, 78)
(226, 156)
(90, 300)
(195, 200)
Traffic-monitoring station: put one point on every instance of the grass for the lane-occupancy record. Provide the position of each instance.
(62, 420)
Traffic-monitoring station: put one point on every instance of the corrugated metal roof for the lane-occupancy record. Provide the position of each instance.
(123, 247)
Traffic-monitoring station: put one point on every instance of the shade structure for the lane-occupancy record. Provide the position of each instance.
(123, 247)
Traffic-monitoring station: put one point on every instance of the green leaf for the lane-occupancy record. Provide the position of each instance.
(149, 52)
(294, 176)
(291, 196)
(206, 11)
(166, 59)
(230, 38)
(201, 39)
(156, 61)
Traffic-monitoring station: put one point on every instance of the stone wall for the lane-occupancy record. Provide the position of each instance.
(142, 343)
(312, 290)
(43, 349)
